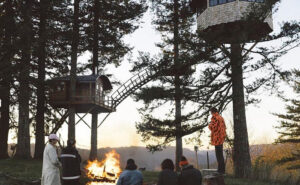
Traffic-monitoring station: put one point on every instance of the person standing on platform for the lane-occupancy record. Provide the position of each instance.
(218, 133)
(51, 164)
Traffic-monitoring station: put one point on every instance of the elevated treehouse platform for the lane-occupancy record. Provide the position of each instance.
(90, 95)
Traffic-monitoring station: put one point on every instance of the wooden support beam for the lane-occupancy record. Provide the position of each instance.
(103, 120)
(62, 116)
(60, 122)
(81, 119)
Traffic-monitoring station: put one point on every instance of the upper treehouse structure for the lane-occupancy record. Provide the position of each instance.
(225, 21)
(90, 95)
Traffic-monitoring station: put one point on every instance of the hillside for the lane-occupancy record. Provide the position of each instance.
(148, 160)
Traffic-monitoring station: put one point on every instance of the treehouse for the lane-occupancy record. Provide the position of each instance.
(226, 22)
(90, 94)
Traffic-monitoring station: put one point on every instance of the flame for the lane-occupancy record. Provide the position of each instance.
(106, 171)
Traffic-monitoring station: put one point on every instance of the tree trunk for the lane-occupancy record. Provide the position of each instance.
(4, 120)
(23, 148)
(93, 153)
(40, 114)
(6, 79)
(241, 155)
(177, 88)
(75, 41)
(95, 37)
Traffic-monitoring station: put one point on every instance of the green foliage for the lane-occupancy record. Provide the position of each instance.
(116, 20)
(179, 51)
(289, 128)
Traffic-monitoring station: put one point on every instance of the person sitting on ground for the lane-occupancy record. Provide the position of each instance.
(167, 176)
(70, 160)
(189, 175)
(51, 164)
(218, 134)
(130, 176)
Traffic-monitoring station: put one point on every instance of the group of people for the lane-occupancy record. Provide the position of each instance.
(70, 160)
(187, 176)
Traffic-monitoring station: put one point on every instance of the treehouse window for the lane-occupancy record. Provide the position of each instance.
(60, 88)
(218, 2)
(257, 1)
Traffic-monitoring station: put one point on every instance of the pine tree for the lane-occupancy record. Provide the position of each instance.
(107, 24)
(49, 59)
(49, 46)
(23, 149)
(289, 128)
(223, 82)
(74, 49)
(181, 48)
(41, 103)
(7, 35)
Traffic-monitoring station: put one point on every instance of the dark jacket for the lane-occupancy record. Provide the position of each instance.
(70, 160)
(167, 177)
(190, 176)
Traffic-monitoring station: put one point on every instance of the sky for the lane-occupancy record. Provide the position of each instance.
(119, 129)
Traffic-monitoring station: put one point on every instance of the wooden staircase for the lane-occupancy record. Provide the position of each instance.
(125, 90)
(130, 86)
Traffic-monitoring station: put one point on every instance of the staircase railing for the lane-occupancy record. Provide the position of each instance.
(130, 86)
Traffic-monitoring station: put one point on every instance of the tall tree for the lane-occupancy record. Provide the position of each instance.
(23, 149)
(41, 103)
(175, 78)
(75, 43)
(223, 82)
(7, 54)
(94, 127)
(50, 58)
(289, 128)
(107, 24)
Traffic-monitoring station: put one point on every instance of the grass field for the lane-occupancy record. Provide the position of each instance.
(29, 170)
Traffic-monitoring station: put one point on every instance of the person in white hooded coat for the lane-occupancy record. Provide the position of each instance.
(51, 164)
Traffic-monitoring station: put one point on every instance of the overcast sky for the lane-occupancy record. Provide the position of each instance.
(119, 129)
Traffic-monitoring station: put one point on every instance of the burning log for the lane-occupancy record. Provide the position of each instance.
(106, 171)
(103, 180)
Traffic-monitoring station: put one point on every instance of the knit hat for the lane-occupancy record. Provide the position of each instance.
(183, 161)
(53, 136)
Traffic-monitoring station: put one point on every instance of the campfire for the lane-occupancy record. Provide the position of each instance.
(104, 172)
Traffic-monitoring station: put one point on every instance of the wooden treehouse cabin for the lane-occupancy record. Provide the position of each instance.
(225, 20)
(90, 95)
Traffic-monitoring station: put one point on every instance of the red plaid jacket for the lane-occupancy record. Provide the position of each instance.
(218, 129)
